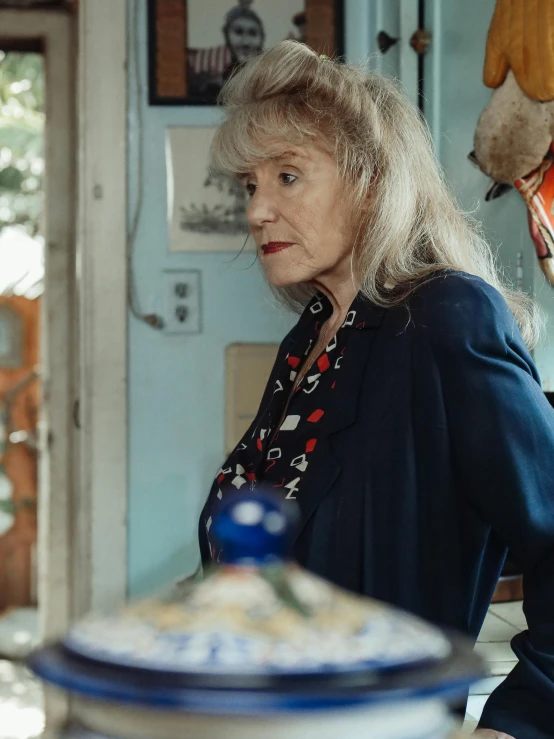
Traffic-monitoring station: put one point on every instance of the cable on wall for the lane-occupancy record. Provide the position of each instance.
(151, 319)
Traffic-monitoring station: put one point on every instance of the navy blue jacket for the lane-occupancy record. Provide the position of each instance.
(437, 456)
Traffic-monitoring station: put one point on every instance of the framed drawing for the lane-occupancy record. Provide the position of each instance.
(206, 213)
(191, 51)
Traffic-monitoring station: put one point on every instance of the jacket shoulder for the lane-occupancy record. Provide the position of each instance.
(457, 304)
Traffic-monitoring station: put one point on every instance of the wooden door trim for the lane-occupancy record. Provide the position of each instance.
(100, 563)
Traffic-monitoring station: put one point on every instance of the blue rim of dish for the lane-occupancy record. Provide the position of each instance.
(322, 670)
(447, 680)
(82, 732)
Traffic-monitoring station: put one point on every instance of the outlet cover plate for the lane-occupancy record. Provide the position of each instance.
(182, 293)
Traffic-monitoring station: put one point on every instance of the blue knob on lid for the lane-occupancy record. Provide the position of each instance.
(253, 528)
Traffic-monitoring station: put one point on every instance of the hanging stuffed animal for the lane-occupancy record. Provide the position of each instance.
(514, 135)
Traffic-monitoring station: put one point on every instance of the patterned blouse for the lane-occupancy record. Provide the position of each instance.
(279, 456)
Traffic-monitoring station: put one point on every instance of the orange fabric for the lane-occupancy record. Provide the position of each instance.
(521, 38)
(537, 190)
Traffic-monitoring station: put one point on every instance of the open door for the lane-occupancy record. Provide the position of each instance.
(45, 330)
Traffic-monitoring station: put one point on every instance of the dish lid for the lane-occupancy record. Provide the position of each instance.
(257, 614)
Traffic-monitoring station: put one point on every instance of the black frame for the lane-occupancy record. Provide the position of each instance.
(155, 99)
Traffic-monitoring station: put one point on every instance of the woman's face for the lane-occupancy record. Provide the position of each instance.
(299, 218)
(244, 37)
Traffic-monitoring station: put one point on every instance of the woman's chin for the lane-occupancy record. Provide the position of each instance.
(279, 279)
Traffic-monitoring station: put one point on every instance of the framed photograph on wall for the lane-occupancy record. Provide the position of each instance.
(193, 50)
(206, 213)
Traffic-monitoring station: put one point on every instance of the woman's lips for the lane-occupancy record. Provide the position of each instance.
(274, 246)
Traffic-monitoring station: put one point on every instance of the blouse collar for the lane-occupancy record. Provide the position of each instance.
(362, 314)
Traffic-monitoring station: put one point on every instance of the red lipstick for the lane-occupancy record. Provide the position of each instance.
(274, 246)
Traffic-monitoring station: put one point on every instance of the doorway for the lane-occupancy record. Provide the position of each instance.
(37, 256)
(21, 287)
(81, 430)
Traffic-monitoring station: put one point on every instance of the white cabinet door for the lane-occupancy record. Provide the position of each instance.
(364, 20)
(450, 80)
(454, 98)
(396, 20)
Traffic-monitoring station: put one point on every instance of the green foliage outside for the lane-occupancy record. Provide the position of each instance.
(6, 506)
(21, 140)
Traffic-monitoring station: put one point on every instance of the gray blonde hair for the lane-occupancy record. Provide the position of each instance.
(414, 227)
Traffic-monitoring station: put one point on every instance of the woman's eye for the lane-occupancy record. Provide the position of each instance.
(287, 179)
(250, 189)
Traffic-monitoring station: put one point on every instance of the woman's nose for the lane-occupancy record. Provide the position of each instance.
(260, 210)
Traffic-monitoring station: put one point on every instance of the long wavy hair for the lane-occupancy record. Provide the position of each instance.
(414, 228)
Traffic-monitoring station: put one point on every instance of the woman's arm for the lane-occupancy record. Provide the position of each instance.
(501, 429)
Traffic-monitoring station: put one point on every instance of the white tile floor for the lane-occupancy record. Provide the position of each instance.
(21, 714)
(503, 621)
(19, 631)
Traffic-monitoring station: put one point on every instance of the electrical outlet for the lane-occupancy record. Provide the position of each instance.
(182, 301)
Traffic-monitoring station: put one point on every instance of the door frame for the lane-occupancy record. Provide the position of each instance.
(100, 519)
(82, 507)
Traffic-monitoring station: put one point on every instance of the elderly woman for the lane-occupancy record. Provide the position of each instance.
(404, 414)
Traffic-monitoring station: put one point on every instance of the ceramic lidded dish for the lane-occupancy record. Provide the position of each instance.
(259, 647)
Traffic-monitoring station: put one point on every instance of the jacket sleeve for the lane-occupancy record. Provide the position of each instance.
(501, 431)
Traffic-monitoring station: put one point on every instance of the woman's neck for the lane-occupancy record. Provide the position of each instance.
(341, 295)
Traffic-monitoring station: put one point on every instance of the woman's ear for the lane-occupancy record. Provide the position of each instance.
(366, 200)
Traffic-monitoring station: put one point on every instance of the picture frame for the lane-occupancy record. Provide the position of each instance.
(69, 5)
(191, 51)
(206, 213)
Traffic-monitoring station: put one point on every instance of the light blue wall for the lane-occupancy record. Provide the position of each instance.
(176, 383)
